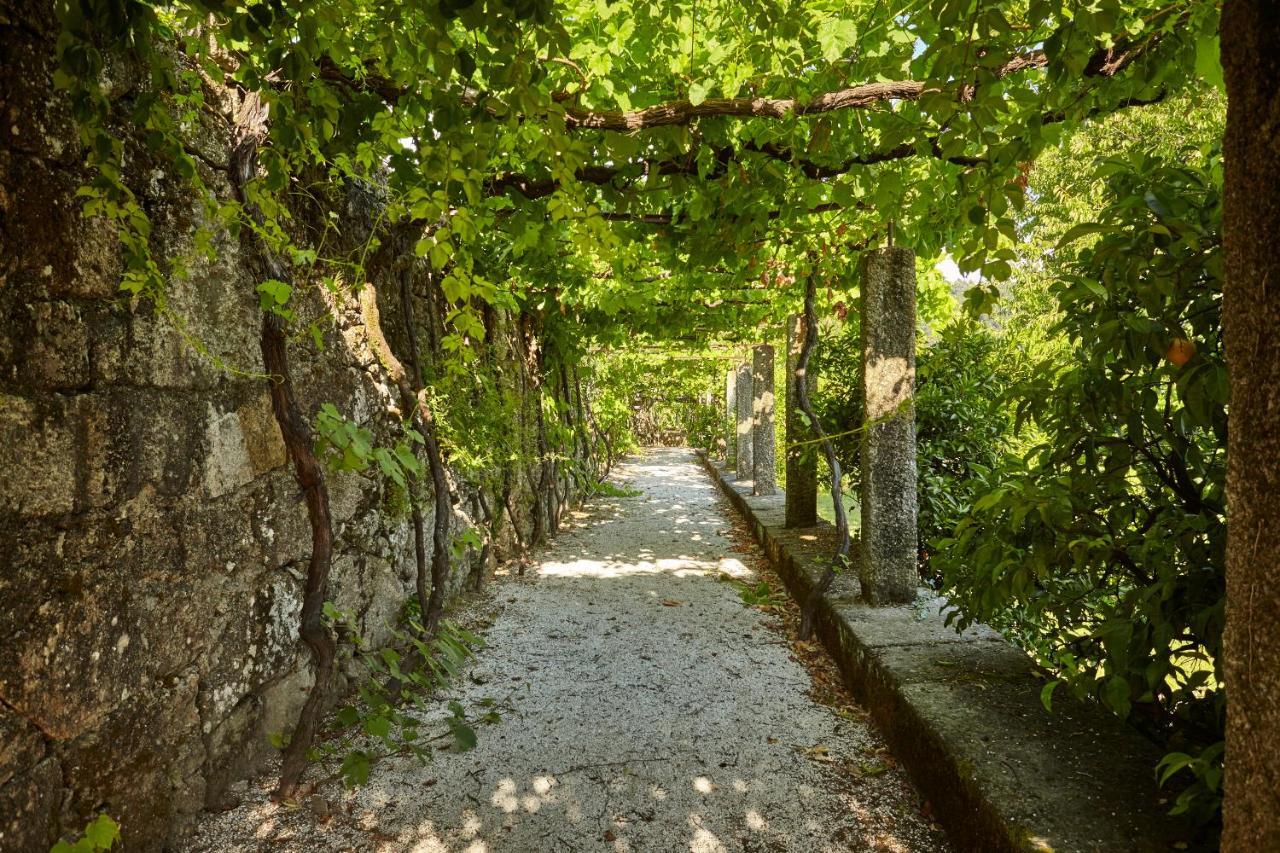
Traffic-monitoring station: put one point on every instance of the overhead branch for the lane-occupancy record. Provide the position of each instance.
(666, 218)
(819, 171)
(645, 218)
(682, 112)
(856, 97)
(1105, 62)
(368, 81)
(687, 163)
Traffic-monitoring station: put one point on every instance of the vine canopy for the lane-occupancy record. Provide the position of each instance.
(661, 169)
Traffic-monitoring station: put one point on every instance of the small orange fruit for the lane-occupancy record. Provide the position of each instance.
(1180, 351)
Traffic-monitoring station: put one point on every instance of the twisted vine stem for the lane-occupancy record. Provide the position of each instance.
(841, 555)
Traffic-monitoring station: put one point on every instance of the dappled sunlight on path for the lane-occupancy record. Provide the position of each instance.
(643, 708)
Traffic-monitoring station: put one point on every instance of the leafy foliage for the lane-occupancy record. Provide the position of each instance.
(100, 834)
(962, 424)
(1101, 549)
(346, 446)
(399, 679)
(672, 397)
(761, 594)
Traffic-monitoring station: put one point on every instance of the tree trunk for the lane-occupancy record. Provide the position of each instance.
(602, 438)
(1251, 320)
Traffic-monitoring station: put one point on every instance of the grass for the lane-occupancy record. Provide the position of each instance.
(826, 512)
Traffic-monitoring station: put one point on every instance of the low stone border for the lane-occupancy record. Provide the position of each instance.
(962, 712)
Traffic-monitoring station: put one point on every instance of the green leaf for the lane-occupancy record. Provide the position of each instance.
(273, 294)
(464, 737)
(355, 768)
(1171, 764)
(697, 93)
(1209, 62)
(103, 832)
(835, 37)
(1116, 694)
(1083, 230)
(1046, 694)
(377, 726)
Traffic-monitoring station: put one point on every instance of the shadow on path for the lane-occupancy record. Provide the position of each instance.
(644, 708)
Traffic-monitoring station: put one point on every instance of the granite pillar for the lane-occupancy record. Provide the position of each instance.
(730, 417)
(763, 466)
(742, 401)
(888, 296)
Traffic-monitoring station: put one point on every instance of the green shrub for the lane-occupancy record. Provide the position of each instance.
(1101, 549)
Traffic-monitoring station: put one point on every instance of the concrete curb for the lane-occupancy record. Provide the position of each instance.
(962, 712)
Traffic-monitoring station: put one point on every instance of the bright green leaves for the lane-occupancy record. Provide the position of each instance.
(560, 207)
(273, 298)
(1101, 547)
(836, 36)
(100, 835)
(398, 463)
(382, 722)
(346, 446)
(1208, 61)
(437, 248)
(355, 768)
(464, 737)
(1046, 693)
(1082, 229)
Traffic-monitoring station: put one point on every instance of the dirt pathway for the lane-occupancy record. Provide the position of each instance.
(645, 709)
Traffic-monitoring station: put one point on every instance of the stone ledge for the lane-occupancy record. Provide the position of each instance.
(962, 712)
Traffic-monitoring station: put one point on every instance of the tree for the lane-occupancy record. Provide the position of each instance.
(1251, 214)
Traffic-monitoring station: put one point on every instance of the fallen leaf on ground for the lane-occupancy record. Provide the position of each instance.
(670, 602)
(819, 752)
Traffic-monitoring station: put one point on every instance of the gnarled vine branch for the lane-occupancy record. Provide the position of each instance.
(250, 130)
(841, 555)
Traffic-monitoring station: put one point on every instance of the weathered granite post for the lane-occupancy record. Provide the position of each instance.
(730, 417)
(802, 462)
(764, 477)
(742, 398)
(888, 565)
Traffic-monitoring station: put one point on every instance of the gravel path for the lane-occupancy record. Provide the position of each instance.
(644, 708)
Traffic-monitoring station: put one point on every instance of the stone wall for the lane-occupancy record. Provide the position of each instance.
(153, 540)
